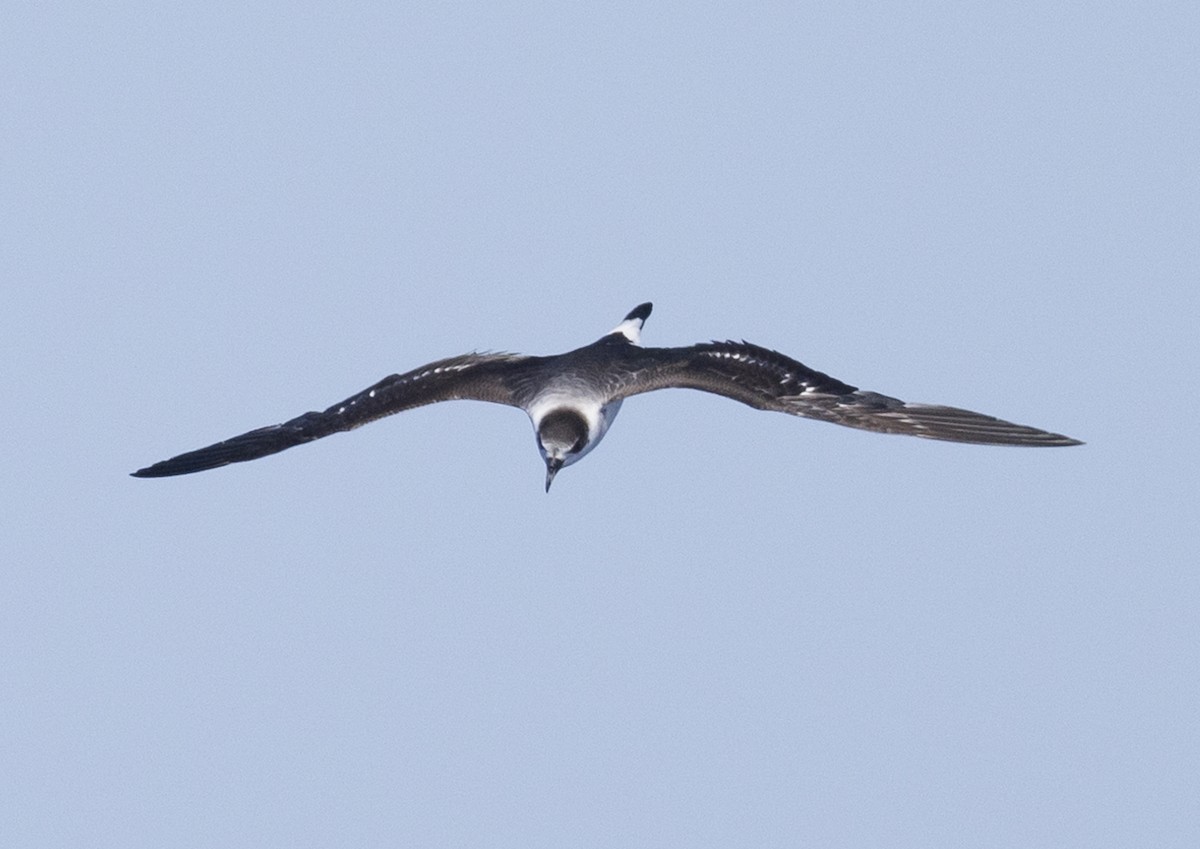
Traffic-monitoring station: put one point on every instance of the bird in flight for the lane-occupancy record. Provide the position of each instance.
(572, 398)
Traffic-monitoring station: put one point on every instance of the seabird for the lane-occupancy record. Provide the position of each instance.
(572, 398)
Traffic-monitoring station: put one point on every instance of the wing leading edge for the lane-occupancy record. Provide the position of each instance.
(767, 380)
(471, 376)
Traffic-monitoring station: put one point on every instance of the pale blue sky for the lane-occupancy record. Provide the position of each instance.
(723, 628)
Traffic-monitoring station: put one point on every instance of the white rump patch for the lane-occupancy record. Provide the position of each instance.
(631, 329)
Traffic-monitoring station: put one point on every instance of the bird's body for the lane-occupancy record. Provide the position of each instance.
(572, 398)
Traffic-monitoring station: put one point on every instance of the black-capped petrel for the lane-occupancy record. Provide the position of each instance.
(572, 398)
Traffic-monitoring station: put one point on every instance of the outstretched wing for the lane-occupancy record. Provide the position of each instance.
(768, 380)
(479, 377)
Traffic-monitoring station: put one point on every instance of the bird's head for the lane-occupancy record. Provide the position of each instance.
(562, 436)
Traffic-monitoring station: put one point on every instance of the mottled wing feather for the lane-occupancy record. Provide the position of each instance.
(754, 375)
(476, 377)
(768, 380)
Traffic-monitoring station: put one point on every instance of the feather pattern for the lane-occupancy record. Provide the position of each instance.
(479, 377)
(768, 380)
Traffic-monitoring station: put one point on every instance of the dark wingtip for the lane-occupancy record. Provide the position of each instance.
(158, 470)
(641, 311)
